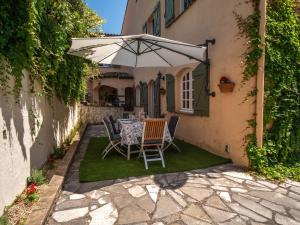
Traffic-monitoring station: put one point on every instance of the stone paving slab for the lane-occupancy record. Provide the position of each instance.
(224, 195)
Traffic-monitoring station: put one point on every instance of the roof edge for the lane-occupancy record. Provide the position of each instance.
(124, 17)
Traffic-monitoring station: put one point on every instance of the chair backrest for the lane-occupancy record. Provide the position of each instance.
(172, 125)
(108, 127)
(154, 131)
(125, 115)
(111, 119)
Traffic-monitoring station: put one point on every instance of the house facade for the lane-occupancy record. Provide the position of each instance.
(113, 87)
(212, 120)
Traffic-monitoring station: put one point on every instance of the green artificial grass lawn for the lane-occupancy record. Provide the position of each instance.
(94, 168)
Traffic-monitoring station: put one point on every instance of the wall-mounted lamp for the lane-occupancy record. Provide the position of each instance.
(161, 76)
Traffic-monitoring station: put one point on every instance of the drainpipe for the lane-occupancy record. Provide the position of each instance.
(260, 78)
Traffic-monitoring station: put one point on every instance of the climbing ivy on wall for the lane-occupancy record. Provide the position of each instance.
(249, 29)
(36, 35)
(280, 156)
(282, 86)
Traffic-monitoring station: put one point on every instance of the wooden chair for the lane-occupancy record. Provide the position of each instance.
(114, 140)
(172, 126)
(153, 139)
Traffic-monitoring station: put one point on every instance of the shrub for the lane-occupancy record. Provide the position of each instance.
(4, 220)
(31, 198)
(37, 177)
(59, 152)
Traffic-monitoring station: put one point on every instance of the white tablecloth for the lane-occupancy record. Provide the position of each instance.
(131, 131)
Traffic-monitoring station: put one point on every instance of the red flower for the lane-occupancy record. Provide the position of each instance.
(224, 80)
(32, 188)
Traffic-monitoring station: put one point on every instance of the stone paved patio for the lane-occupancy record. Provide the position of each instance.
(219, 195)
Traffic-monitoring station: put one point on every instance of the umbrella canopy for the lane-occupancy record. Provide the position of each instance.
(138, 51)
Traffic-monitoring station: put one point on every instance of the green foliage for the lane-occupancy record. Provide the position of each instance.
(4, 220)
(36, 177)
(31, 198)
(282, 75)
(280, 156)
(249, 29)
(59, 152)
(36, 35)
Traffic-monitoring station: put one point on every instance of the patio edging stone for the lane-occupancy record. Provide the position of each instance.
(48, 195)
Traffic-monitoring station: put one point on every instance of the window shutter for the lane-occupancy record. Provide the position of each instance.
(145, 94)
(201, 98)
(170, 93)
(169, 11)
(141, 94)
(187, 3)
(156, 21)
(134, 97)
(156, 99)
(145, 28)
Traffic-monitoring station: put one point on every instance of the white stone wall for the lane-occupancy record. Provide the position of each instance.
(95, 114)
(28, 132)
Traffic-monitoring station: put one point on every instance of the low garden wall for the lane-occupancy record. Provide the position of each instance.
(95, 114)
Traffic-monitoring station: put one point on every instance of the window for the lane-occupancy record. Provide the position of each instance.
(174, 9)
(152, 25)
(184, 4)
(187, 93)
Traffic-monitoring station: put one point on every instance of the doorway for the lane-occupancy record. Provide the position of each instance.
(128, 99)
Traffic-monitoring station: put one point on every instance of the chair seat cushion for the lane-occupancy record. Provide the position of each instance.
(116, 137)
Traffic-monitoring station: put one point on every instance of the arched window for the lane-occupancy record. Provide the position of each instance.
(187, 92)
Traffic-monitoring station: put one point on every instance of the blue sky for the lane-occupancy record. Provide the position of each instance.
(112, 11)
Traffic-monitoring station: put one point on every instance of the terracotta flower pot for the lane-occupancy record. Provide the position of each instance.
(226, 87)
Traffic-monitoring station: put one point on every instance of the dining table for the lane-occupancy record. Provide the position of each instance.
(131, 132)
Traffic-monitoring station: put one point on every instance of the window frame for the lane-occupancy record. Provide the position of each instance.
(189, 90)
(150, 22)
(181, 11)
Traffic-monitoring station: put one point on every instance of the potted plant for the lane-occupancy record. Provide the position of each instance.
(226, 85)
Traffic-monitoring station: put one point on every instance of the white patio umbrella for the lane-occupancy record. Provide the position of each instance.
(141, 50)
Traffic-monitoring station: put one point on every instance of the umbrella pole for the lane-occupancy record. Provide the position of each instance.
(207, 63)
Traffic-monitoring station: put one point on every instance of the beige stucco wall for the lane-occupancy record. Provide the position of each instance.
(206, 19)
(28, 144)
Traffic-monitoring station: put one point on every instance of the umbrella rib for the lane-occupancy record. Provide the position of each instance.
(146, 49)
(126, 49)
(91, 47)
(129, 45)
(183, 44)
(172, 50)
(109, 55)
(145, 52)
(159, 55)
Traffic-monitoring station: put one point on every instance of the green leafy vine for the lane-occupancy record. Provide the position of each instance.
(279, 158)
(35, 35)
